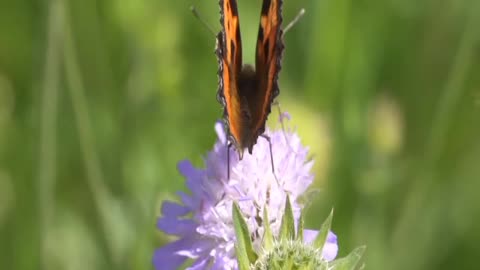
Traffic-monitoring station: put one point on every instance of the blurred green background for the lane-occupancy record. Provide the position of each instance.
(100, 99)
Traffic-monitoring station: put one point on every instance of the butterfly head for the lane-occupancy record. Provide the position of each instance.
(241, 150)
(246, 142)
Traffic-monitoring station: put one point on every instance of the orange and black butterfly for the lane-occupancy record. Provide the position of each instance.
(246, 92)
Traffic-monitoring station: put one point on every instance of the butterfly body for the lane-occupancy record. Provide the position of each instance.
(247, 92)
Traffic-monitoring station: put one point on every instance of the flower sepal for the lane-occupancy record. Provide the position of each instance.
(243, 246)
(288, 250)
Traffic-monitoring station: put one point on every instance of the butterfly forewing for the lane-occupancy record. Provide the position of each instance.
(267, 59)
(229, 53)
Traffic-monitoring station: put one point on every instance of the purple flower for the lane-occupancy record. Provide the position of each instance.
(203, 220)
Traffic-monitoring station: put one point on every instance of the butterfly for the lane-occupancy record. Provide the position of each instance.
(245, 92)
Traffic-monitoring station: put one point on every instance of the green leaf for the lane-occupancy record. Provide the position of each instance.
(351, 261)
(322, 234)
(287, 229)
(301, 224)
(243, 247)
(267, 235)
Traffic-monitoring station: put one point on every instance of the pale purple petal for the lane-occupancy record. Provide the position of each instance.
(165, 258)
(220, 132)
(193, 175)
(330, 248)
(174, 209)
(176, 226)
(309, 236)
(188, 200)
(198, 248)
(284, 115)
(224, 263)
(186, 168)
(199, 264)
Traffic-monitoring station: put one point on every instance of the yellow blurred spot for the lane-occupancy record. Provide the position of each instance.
(79, 249)
(313, 129)
(385, 126)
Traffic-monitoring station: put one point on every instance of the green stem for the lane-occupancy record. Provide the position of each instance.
(454, 86)
(48, 126)
(95, 180)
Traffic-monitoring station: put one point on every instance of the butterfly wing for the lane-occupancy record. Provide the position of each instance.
(229, 54)
(268, 61)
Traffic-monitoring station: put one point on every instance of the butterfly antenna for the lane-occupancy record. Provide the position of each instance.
(228, 160)
(294, 21)
(200, 18)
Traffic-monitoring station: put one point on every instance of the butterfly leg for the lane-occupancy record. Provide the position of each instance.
(229, 145)
(271, 156)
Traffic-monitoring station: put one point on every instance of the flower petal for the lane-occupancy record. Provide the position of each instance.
(189, 201)
(220, 130)
(224, 263)
(330, 248)
(186, 168)
(309, 236)
(284, 115)
(199, 248)
(176, 226)
(174, 209)
(165, 258)
(199, 264)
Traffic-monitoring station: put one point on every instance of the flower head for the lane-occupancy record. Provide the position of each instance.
(203, 222)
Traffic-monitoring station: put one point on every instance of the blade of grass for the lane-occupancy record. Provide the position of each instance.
(95, 180)
(454, 84)
(48, 126)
